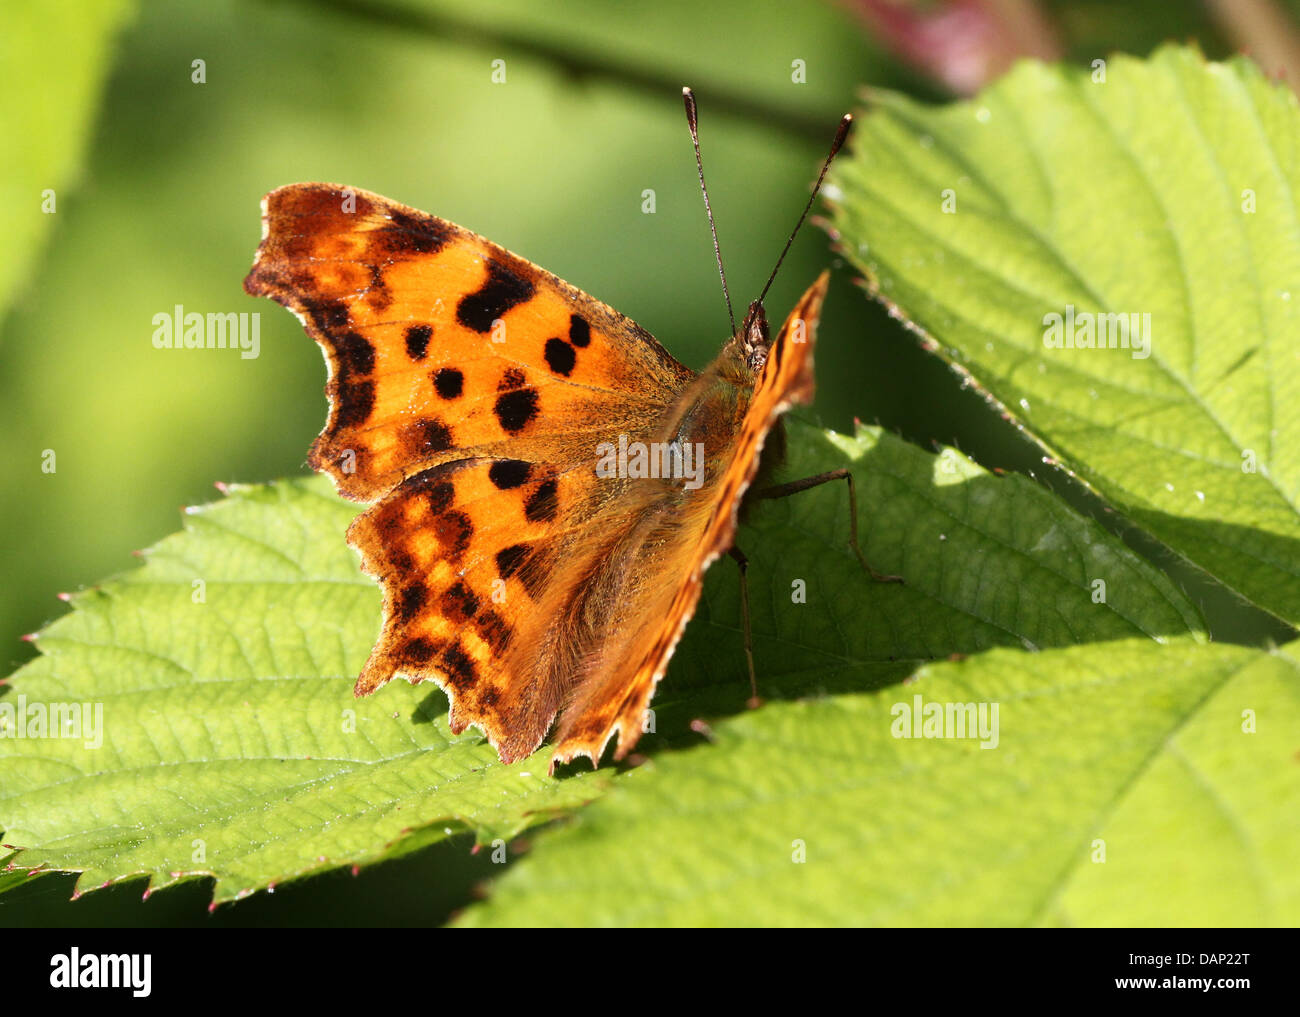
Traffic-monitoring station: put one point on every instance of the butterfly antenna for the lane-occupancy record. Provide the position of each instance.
(688, 97)
(841, 133)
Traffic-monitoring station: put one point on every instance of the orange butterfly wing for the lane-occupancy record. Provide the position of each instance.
(468, 392)
(615, 693)
(440, 341)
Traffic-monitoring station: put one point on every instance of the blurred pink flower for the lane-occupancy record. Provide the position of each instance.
(964, 44)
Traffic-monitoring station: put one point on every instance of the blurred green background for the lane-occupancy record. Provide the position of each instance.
(158, 179)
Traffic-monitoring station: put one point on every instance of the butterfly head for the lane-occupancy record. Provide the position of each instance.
(755, 338)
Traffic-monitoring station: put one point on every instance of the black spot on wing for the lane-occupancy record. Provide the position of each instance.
(579, 331)
(508, 473)
(461, 673)
(417, 341)
(503, 289)
(512, 379)
(418, 650)
(515, 409)
(542, 505)
(428, 435)
(492, 629)
(454, 530)
(378, 296)
(459, 603)
(355, 354)
(449, 382)
(355, 396)
(534, 569)
(510, 558)
(356, 401)
(411, 600)
(441, 495)
(412, 234)
(328, 316)
(560, 356)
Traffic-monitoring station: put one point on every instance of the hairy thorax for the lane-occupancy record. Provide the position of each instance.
(711, 410)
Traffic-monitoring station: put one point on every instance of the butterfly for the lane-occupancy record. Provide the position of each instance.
(549, 483)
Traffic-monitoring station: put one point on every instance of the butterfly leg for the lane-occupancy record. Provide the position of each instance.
(743, 563)
(807, 483)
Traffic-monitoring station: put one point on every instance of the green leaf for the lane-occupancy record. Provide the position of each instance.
(986, 560)
(12, 879)
(224, 666)
(53, 61)
(231, 743)
(1130, 195)
(1129, 748)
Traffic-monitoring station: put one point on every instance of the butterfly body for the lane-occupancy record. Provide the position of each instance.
(477, 400)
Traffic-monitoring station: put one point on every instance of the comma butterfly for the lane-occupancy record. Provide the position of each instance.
(549, 483)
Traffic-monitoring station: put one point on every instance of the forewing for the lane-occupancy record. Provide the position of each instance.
(442, 345)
